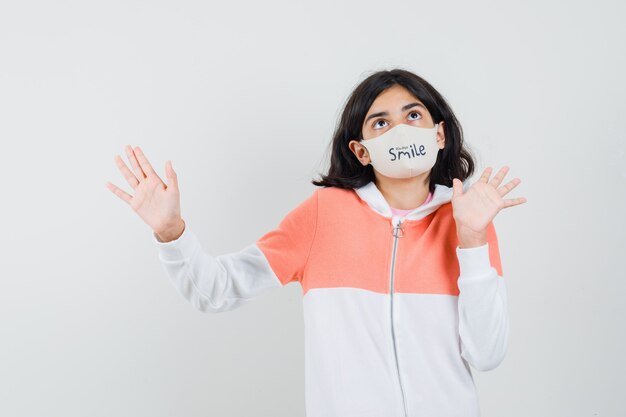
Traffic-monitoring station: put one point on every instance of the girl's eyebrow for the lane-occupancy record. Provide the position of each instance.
(384, 113)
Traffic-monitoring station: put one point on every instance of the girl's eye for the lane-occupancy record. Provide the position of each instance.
(378, 125)
(414, 113)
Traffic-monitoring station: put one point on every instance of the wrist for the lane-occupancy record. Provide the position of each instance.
(470, 238)
(172, 232)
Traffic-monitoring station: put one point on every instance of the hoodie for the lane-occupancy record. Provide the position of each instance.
(395, 312)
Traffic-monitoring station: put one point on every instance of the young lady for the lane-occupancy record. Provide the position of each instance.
(398, 260)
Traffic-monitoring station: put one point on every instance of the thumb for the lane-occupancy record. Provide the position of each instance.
(172, 178)
(457, 187)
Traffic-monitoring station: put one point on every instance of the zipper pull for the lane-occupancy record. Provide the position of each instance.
(398, 230)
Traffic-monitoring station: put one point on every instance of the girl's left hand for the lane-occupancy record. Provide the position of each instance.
(477, 207)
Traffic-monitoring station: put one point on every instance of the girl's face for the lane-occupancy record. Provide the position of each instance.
(393, 106)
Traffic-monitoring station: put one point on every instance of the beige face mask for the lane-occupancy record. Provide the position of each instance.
(403, 151)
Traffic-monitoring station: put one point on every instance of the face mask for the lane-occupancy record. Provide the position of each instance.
(403, 151)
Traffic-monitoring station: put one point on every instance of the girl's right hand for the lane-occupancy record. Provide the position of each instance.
(157, 203)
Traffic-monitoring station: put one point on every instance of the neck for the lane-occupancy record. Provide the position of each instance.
(403, 193)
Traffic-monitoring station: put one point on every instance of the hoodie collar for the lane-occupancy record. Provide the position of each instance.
(375, 199)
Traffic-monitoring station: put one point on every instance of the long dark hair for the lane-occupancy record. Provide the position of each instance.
(453, 161)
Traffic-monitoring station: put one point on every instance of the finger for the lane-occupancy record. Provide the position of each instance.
(144, 163)
(514, 202)
(509, 186)
(497, 179)
(485, 177)
(119, 192)
(133, 161)
(172, 178)
(457, 187)
(128, 175)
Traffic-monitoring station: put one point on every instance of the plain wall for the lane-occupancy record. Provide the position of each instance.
(243, 98)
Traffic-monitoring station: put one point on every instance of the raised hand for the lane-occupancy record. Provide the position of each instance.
(478, 206)
(157, 203)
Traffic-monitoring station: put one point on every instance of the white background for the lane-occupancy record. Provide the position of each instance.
(243, 98)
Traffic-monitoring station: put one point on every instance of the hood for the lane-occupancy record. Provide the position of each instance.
(375, 199)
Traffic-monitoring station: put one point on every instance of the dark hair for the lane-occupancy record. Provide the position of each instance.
(453, 161)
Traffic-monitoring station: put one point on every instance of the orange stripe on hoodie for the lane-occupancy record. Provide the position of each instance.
(334, 239)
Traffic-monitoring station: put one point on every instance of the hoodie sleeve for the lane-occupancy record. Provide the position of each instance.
(482, 304)
(214, 284)
(287, 247)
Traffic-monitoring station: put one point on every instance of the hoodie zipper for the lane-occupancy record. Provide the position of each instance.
(396, 229)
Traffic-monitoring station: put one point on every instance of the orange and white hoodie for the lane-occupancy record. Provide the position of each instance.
(394, 311)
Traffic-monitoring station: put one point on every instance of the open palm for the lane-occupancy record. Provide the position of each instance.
(157, 203)
(477, 207)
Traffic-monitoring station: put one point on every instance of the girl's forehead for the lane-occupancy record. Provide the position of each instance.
(395, 102)
(395, 96)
